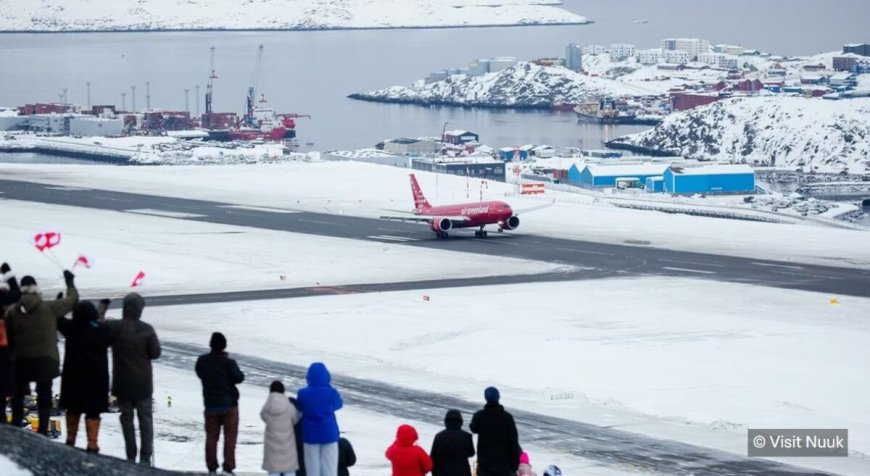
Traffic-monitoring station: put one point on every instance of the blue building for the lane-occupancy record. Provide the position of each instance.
(655, 184)
(737, 178)
(594, 175)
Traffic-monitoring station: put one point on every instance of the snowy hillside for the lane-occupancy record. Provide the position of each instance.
(825, 135)
(103, 15)
(523, 85)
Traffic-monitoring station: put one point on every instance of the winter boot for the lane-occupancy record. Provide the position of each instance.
(92, 425)
(72, 427)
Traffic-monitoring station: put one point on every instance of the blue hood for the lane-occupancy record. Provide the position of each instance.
(318, 376)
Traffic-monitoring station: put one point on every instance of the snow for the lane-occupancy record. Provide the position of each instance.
(184, 256)
(120, 15)
(717, 170)
(826, 136)
(335, 187)
(672, 358)
(622, 170)
(10, 468)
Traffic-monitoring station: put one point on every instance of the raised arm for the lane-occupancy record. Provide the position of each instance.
(61, 307)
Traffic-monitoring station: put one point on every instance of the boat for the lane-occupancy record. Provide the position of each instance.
(265, 124)
(606, 111)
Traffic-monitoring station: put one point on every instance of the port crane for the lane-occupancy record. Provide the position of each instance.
(209, 90)
(248, 119)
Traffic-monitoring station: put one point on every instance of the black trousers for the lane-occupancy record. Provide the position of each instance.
(43, 402)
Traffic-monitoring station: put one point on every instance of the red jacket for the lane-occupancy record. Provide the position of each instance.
(407, 458)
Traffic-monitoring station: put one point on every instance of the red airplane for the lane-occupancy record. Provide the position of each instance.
(464, 215)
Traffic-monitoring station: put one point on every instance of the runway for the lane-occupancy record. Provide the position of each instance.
(601, 259)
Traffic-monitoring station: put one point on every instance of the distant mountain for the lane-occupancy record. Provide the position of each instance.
(121, 15)
(525, 85)
(827, 136)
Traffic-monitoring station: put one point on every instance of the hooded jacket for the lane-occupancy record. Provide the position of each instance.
(85, 384)
(498, 447)
(407, 458)
(319, 401)
(134, 346)
(279, 442)
(32, 329)
(452, 448)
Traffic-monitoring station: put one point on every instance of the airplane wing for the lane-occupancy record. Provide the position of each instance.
(535, 208)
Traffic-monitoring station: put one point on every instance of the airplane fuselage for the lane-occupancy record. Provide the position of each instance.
(477, 213)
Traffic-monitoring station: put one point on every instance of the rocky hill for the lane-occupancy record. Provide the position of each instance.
(816, 134)
(124, 15)
(525, 85)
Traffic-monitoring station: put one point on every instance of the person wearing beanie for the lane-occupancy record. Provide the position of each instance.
(525, 468)
(219, 375)
(498, 446)
(32, 326)
(279, 442)
(8, 296)
(406, 457)
(552, 470)
(84, 387)
(452, 448)
(320, 434)
(134, 346)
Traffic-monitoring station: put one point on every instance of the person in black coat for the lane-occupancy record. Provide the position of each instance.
(498, 447)
(84, 386)
(346, 457)
(452, 448)
(7, 297)
(297, 432)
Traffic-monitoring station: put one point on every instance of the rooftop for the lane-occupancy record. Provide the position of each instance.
(714, 170)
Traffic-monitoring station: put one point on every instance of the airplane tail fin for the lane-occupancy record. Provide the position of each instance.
(420, 202)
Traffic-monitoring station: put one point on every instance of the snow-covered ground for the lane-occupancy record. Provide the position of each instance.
(184, 256)
(333, 187)
(120, 15)
(9, 468)
(821, 135)
(673, 358)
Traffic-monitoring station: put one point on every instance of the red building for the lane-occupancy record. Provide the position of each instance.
(684, 101)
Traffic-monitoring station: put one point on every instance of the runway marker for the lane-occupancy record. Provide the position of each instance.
(69, 189)
(772, 265)
(391, 238)
(689, 270)
(163, 213)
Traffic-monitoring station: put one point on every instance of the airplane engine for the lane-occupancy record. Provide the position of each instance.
(442, 224)
(511, 223)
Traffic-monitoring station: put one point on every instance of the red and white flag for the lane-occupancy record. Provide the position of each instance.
(82, 260)
(426, 297)
(137, 281)
(47, 240)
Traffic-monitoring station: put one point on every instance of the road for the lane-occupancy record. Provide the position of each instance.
(604, 259)
(617, 449)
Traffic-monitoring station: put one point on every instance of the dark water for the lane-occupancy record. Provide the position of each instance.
(312, 72)
(29, 158)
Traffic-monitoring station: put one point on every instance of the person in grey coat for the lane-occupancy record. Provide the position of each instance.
(279, 442)
(134, 346)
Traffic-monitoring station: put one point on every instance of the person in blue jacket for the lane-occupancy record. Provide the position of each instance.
(319, 402)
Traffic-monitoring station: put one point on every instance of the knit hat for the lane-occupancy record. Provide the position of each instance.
(133, 305)
(218, 342)
(276, 387)
(491, 395)
(524, 458)
(28, 285)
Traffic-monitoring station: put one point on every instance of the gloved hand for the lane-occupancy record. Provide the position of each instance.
(4, 268)
(59, 296)
(68, 277)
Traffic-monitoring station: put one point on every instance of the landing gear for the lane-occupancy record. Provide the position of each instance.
(442, 235)
(481, 233)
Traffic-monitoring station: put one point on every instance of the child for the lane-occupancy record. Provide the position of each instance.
(452, 448)
(553, 470)
(406, 457)
(525, 468)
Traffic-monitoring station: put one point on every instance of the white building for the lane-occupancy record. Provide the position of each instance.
(648, 57)
(412, 147)
(478, 67)
(95, 126)
(729, 62)
(675, 56)
(728, 49)
(500, 63)
(574, 57)
(710, 58)
(436, 76)
(692, 46)
(9, 119)
(594, 50)
(621, 51)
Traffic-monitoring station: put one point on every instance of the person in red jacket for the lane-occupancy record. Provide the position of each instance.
(406, 457)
